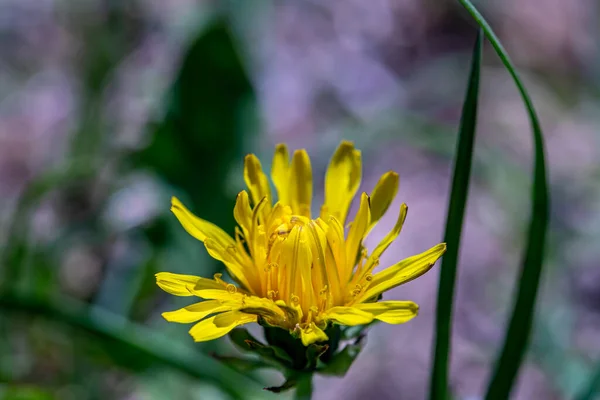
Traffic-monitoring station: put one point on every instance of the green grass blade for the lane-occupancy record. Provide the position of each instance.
(519, 329)
(454, 221)
(592, 388)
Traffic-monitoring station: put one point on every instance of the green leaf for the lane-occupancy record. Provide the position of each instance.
(592, 388)
(340, 363)
(519, 329)
(454, 222)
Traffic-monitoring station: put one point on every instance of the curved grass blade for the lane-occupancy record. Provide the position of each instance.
(592, 388)
(454, 221)
(519, 329)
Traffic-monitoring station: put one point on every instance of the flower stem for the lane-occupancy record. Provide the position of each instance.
(304, 387)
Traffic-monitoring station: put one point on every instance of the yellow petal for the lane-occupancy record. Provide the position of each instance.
(261, 306)
(218, 294)
(257, 183)
(391, 311)
(293, 313)
(219, 325)
(301, 183)
(196, 312)
(357, 232)
(383, 195)
(318, 245)
(373, 259)
(349, 316)
(290, 261)
(341, 181)
(243, 213)
(180, 285)
(280, 173)
(312, 334)
(404, 271)
(233, 262)
(335, 256)
(304, 257)
(199, 228)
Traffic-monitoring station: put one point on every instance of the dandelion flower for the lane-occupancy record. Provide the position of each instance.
(292, 270)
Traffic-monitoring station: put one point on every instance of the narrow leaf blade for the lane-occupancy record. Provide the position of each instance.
(519, 329)
(454, 221)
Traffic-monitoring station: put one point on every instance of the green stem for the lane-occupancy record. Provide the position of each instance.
(157, 347)
(304, 387)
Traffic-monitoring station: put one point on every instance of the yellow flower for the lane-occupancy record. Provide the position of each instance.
(292, 271)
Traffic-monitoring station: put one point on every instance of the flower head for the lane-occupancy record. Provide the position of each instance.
(293, 270)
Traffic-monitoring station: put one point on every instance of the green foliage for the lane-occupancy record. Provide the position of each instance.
(454, 221)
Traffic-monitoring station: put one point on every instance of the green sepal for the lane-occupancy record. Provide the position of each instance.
(281, 338)
(357, 331)
(271, 352)
(240, 337)
(290, 383)
(340, 362)
(313, 355)
(301, 381)
(246, 342)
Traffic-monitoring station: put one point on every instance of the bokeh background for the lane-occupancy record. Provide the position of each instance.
(108, 108)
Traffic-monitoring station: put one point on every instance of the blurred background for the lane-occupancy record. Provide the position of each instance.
(108, 108)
